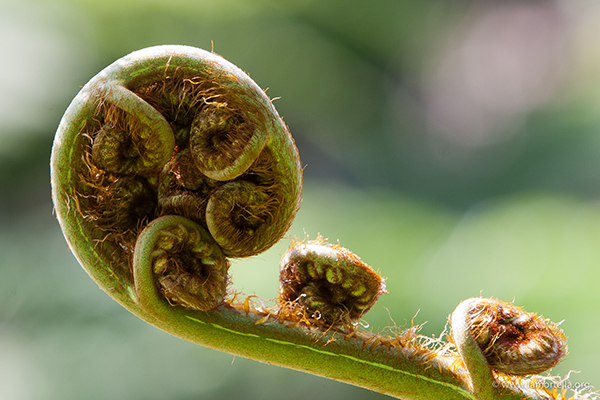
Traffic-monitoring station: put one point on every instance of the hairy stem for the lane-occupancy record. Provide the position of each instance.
(172, 160)
(399, 372)
(480, 373)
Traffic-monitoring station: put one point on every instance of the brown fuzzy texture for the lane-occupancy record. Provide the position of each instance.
(122, 186)
(514, 341)
(321, 281)
(219, 135)
(191, 100)
(115, 206)
(183, 190)
(124, 146)
(249, 208)
(191, 271)
(407, 342)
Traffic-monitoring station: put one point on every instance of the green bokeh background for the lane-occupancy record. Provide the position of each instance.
(453, 145)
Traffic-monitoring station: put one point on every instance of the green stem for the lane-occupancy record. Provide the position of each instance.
(480, 373)
(186, 132)
(327, 354)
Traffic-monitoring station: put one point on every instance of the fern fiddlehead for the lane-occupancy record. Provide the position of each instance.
(171, 161)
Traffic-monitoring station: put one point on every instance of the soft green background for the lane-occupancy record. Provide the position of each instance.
(453, 145)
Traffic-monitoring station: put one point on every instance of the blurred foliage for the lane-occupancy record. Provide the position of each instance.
(453, 145)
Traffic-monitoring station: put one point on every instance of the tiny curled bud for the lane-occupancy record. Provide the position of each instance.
(328, 282)
(512, 340)
(189, 267)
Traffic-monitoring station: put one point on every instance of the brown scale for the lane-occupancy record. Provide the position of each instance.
(190, 269)
(122, 145)
(115, 205)
(189, 99)
(183, 190)
(514, 341)
(255, 209)
(326, 284)
(220, 134)
(205, 116)
(219, 123)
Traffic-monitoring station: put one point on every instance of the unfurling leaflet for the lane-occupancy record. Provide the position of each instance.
(188, 265)
(326, 284)
(514, 341)
(173, 131)
(171, 161)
